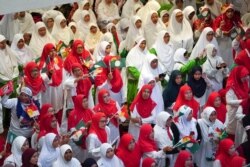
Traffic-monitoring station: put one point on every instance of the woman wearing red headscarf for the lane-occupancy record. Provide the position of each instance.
(243, 58)
(185, 97)
(78, 83)
(79, 54)
(214, 100)
(52, 64)
(240, 42)
(225, 153)
(149, 162)
(142, 110)
(238, 161)
(110, 79)
(98, 133)
(129, 151)
(237, 99)
(184, 159)
(110, 108)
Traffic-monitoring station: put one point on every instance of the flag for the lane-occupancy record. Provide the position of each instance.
(32, 111)
(220, 133)
(10, 137)
(189, 143)
(80, 125)
(7, 88)
(123, 114)
(62, 49)
(118, 63)
(193, 147)
(78, 135)
(98, 65)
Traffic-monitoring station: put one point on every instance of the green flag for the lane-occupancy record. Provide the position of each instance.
(118, 63)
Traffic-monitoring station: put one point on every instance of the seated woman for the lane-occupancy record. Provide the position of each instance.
(30, 158)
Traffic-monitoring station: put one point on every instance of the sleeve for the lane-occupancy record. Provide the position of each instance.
(216, 163)
(239, 58)
(9, 103)
(239, 113)
(69, 83)
(199, 137)
(187, 67)
(231, 98)
(236, 45)
(92, 150)
(151, 118)
(133, 72)
(155, 154)
(153, 51)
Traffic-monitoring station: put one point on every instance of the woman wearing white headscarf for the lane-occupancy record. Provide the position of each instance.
(214, 7)
(76, 33)
(108, 157)
(22, 51)
(163, 49)
(50, 151)
(122, 28)
(93, 37)
(83, 5)
(209, 125)
(180, 31)
(84, 23)
(214, 68)
(19, 145)
(190, 14)
(65, 158)
(127, 9)
(26, 22)
(206, 37)
(61, 31)
(101, 52)
(111, 28)
(39, 38)
(152, 27)
(49, 18)
(134, 31)
(164, 15)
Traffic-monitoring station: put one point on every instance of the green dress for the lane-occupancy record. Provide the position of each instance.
(133, 78)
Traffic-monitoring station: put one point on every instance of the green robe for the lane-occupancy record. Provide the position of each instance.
(133, 77)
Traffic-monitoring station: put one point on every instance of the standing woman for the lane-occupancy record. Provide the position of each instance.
(30, 158)
(142, 110)
(210, 139)
(184, 159)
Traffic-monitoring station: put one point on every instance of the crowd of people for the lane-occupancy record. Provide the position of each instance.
(158, 83)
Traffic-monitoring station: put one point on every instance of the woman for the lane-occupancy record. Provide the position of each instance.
(184, 159)
(214, 6)
(237, 99)
(66, 158)
(171, 92)
(180, 31)
(142, 110)
(83, 5)
(22, 51)
(164, 15)
(98, 133)
(166, 134)
(102, 50)
(61, 32)
(49, 17)
(30, 158)
(93, 37)
(185, 97)
(198, 85)
(19, 145)
(210, 126)
(50, 151)
(75, 30)
(214, 100)
(163, 49)
(84, 23)
(149, 162)
(117, 39)
(134, 63)
(215, 69)
(110, 108)
(52, 65)
(190, 14)
(39, 38)
(238, 161)
(225, 153)
(128, 151)
(127, 9)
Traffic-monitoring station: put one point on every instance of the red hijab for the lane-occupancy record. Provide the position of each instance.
(109, 109)
(243, 58)
(130, 158)
(55, 64)
(26, 157)
(94, 128)
(84, 85)
(45, 125)
(180, 101)
(74, 57)
(116, 81)
(144, 106)
(221, 110)
(79, 113)
(44, 110)
(147, 162)
(222, 152)
(237, 161)
(182, 158)
(35, 84)
(145, 143)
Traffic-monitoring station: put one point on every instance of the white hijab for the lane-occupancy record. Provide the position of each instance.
(165, 52)
(181, 33)
(8, 63)
(61, 34)
(26, 23)
(77, 15)
(133, 32)
(25, 54)
(202, 43)
(179, 59)
(136, 56)
(91, 39)
(100, 54)
(77, 34)
(215, 9)
(48, 154)
(107, 162)
(127, 9)
(61, 162)
(121, 26)
(83, 25)
(187, 11)
(186, 127)
(37, 42)
(50, 14)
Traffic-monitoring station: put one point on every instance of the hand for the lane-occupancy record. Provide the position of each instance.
(167, 149)
(110, 76)
(201, 26)
(238, 38)
(223, 65)
(222, 23)
(115, 21)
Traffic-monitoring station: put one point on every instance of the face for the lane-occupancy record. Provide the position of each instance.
(217, 102)
(189, 162)
(108, 1)
(86, 6)
(50, 23)
(110, 153)
(56, 141)
(22, 14)
(25, 146)
(34, 159)
(102, 123)
(179, 17)
(20, 44)
(152, 83)
(93, 29)
(53, 123)
(138, 24)
(24, 98)
(231, 151)
(210, 36)
(188, 95)
(143, 45)
(85, 104)
(214, 52)
(106, 98)
(63, 23)
(186, 55)
(178, 79)
(77, 72)
(210, 2)
(34, 73)
(165, 18)
(169, 121)
(146, 94)
(3, 44)
(213, 116)
(113, 30)
(27, 37)
(79, 49)
(166, 38)
(191, 15)
(108, 49)
(42, 31)
(154, 18)
(151, 135)
(190, 116)
(197, 75)
(52, 53)
(68, 155)
(131, 145)
(86, 18)
(179, 4)
(154, 64)
(230, 13)
(73, 29)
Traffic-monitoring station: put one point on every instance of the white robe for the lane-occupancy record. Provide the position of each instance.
(127, 9)
(107, 13)
(26, 23)
(77, 15)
